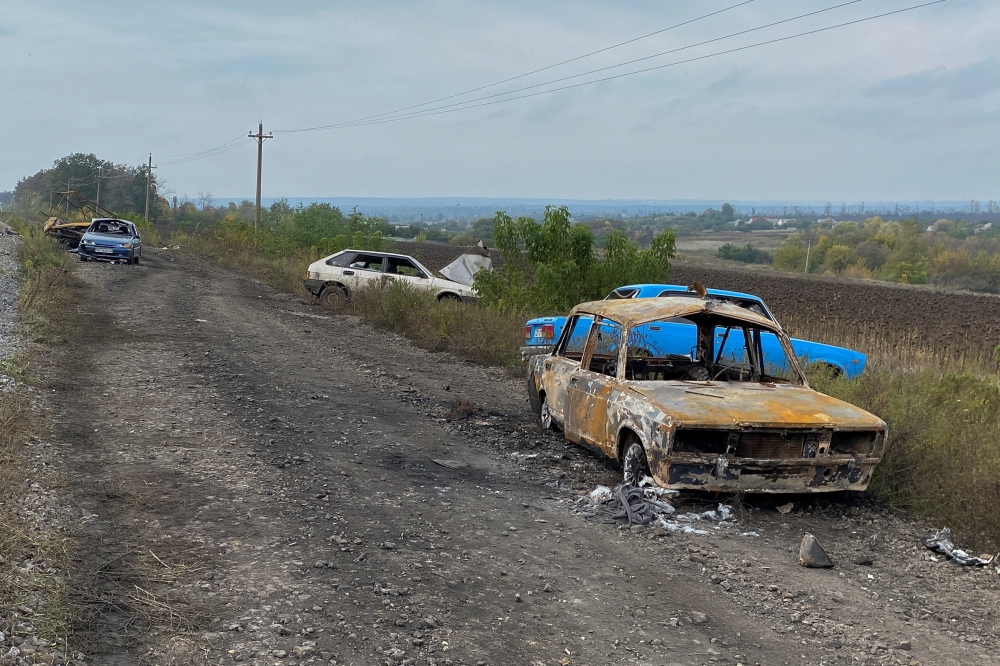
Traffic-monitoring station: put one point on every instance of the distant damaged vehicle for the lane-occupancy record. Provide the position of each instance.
(702, 408)
(110, 239)
(343, 273)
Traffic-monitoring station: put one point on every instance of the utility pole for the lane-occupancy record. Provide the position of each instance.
(149, 183)
(100, 172)
(259, 137)
(68, 181)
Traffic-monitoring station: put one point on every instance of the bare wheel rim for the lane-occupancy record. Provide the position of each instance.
(634, 465)
(546, 416)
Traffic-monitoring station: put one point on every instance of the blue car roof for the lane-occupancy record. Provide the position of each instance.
(653, 290)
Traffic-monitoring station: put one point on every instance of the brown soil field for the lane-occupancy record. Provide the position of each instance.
(905, 322)
(436, 256)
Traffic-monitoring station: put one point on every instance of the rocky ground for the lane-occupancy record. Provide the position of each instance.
(250, 479)
(10, 341)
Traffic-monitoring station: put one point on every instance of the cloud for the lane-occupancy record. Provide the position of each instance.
(974, 80)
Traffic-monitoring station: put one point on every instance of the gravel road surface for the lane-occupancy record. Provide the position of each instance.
(253, 480)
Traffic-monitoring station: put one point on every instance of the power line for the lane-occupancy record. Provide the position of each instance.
(469, 105)
(534, 71)
(416, 114)
(202, 152)
(207, 153)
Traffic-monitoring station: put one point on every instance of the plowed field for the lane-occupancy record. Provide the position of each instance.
(901, 321)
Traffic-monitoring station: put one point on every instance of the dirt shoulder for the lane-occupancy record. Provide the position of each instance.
(256, 480)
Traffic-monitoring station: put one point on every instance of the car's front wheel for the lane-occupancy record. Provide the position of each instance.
(331, 293)
(634, 465)
(454, 298)
(544, 414)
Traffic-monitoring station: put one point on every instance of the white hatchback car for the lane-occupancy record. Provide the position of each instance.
(341, 274)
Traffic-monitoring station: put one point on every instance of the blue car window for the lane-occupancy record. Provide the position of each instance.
(676, 337)
(730, 345)
(776, 363)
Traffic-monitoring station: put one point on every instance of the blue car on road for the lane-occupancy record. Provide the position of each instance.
(110, 239)
(541, 333)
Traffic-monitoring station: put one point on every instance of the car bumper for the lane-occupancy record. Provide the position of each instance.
(314, 286)
(755, 475)
(116, 254)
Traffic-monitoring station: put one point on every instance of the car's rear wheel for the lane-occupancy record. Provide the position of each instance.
(634, 465)
(332, 293)
(454, 298)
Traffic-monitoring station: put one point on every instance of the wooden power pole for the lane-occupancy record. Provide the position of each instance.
(259, 137)
(149, 183)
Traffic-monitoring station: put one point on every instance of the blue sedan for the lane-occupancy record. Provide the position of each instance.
(110, 239)
(542, 332)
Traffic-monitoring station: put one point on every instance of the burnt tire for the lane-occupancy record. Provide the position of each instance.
(533, 400)
(634, 464)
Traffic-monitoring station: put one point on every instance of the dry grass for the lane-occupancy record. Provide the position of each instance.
(284, 273)
(942, 459)
(474, 333)
(37, 584)
(888, 347)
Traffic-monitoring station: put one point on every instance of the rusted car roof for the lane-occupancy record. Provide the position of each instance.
(633, 312)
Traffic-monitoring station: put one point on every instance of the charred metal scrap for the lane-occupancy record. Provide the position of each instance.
(941, 543)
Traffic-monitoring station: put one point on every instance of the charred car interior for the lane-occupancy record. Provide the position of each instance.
(681, 389)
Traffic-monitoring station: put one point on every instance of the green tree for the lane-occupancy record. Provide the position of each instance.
(791, 255)
(839, 258)
(553, 265)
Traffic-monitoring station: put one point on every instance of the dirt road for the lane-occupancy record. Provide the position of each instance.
(252, 480)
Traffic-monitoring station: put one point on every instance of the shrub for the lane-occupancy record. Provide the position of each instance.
(748, 254)
(552, 266)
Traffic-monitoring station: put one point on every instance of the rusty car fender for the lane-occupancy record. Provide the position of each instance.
(654, 427)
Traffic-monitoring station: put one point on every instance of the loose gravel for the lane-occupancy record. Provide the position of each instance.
(10, 342)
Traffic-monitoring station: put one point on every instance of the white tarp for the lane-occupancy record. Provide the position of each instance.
(462, 269)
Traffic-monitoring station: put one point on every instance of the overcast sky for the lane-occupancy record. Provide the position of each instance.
(904, 107)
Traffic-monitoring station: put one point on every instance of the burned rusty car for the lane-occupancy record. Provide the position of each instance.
(678, 389)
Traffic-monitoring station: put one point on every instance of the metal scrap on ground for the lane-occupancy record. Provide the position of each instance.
(941, 543)
(646, 505)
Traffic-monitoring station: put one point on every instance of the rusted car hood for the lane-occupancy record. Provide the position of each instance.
(727, 405)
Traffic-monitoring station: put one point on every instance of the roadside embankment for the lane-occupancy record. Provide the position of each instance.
(41, 608)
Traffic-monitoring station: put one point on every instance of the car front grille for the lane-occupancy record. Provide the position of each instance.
(761, 444)
(770, 445)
